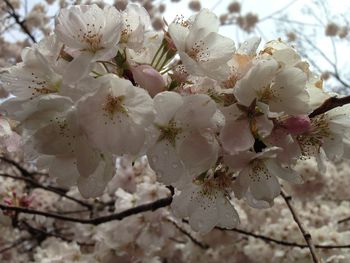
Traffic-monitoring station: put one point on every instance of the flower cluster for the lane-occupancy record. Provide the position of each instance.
(215, 121)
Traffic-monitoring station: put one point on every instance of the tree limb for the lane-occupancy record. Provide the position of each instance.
(304, 232)
(47, 188)
(282, 242)
(330, 104)
(98, 220)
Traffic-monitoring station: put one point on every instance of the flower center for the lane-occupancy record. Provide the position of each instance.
(169, 132)
(199, 52)
(113, 105)
(92, 38)
(311, 141)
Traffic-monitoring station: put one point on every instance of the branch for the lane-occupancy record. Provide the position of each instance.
(186, 233)
(343, 220)
(22, 170)
(98, 220)
(329, 104)
(48, 188)
(14, 244)
(281, 242)
(12, 13)
(305, 233)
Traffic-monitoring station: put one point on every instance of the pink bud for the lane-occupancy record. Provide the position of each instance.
(297, 124)
(149, 79)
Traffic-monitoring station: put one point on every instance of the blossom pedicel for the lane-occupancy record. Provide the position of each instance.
(215, 121)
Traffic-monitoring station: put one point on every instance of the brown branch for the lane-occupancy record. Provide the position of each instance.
(22, 170)
(330, 104)
(282, 242)
(12, 12)
(14, 244)
(343, 220)
(304, 232)
(186, 233)
(52, 189)
(98, 220)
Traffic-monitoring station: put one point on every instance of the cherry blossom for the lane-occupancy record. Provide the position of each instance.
(202, 50)
(116, 115)
(184, 143)
(92, 33)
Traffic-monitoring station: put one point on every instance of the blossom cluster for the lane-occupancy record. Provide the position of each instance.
(215, 121)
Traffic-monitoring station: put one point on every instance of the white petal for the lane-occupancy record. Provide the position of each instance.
(249, 46)
(65, 177)
(228, 216)
(257, 78)
(166, 105)
(196, 111)
(264, 185)
(236, 136)
(95, 184)
(198, 152)
(164, 160)
(290, 92)
(284, 173)
(178, 34)
(78, 68)
(204, 212)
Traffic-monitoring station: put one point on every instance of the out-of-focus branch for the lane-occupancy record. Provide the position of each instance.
(36, 184)
(98, 220)
(22, 170)
(305, 233)
(186, 233)
(330, 104)
(282, 242)
(343, 220)
(12, 12)
(14, 244)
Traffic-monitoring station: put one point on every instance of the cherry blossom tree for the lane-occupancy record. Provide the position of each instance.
(129, 138)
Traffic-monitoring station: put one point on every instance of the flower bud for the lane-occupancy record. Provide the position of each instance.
(234, 7)
(297, 124)
(148, 78)
(194, 5)
(331, 29)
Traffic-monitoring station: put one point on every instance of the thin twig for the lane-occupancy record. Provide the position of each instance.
(22, 170)
(12, 12)
(98, 220)
(343, 220)
(186, 233)
(47, 188)
(305, 233)
(14, 244)
(282, 242)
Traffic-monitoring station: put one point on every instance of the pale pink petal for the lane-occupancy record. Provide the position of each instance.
(236, 136)
(198, 152)
(164, 160)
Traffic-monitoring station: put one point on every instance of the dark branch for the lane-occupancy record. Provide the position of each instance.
(304, 232)
(95, 221)
(343, 220)
(22, 170)
(330, 104)
(281, 242)
(36, 184)
(186, 233)
(12, 12)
